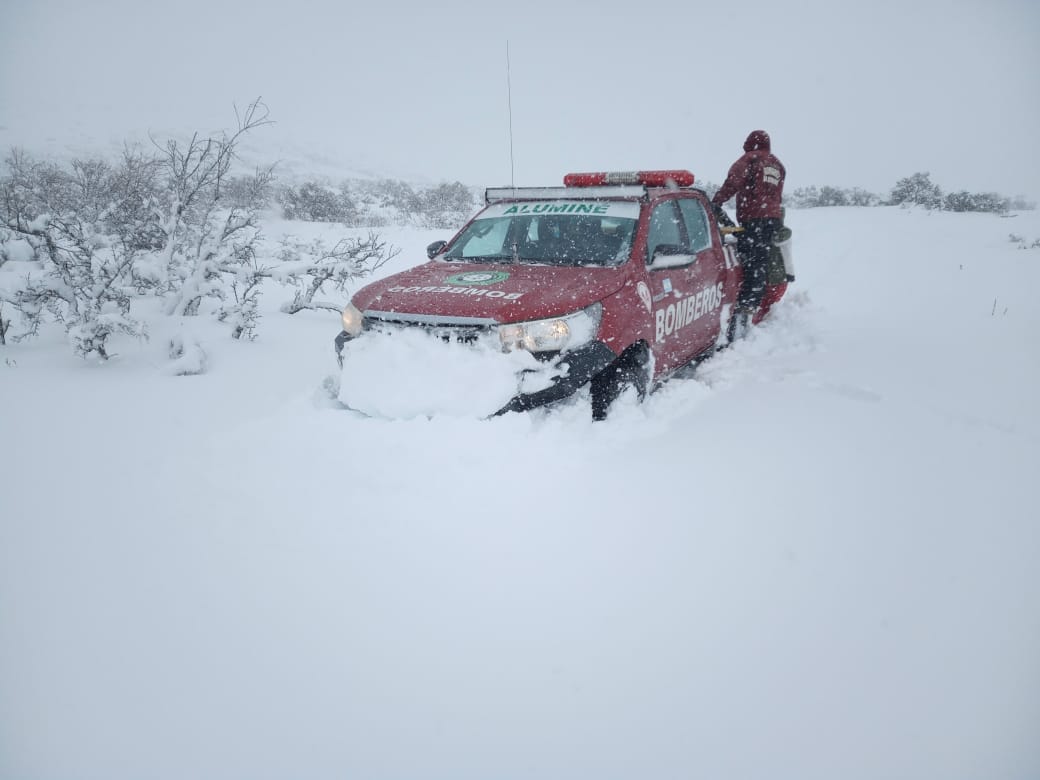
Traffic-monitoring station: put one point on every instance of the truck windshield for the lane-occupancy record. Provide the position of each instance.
(566, 239)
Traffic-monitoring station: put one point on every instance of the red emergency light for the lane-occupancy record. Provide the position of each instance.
(677, 178)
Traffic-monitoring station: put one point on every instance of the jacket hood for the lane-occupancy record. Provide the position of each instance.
(757, 140)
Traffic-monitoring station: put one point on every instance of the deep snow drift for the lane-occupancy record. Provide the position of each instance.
(815, 557)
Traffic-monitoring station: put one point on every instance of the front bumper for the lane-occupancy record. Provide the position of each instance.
(582, 363)
(568, 371)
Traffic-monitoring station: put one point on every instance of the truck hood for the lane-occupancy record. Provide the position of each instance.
(501, 292)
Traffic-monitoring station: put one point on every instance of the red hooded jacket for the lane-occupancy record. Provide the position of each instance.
(757, 179)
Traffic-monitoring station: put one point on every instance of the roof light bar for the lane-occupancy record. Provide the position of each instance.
(674, 178)
(498, 194)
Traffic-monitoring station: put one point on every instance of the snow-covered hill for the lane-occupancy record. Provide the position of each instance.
(294, 162)
(814, 558)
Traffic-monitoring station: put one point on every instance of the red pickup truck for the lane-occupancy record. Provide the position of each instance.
(613, 280)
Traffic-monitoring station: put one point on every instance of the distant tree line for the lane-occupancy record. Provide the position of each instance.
(915, 190)
(378, 203)
(816, 197)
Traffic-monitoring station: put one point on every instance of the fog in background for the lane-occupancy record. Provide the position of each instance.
(854, 94)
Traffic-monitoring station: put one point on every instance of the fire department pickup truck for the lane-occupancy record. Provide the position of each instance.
(614, 280)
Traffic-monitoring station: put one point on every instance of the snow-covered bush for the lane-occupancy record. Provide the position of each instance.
(5, 324)
(917, 190)
(82, 251)
(978, 201)
(314, 202)
(243, 191)
(1022, 242)
(187, 357)
(390, 193)
(208, 243)
(858, 196)
(310, 266)
(444, 206)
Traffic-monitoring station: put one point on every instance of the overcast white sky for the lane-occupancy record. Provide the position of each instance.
(853, 93)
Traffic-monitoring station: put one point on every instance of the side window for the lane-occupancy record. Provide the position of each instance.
(664, 227)
(696, 224)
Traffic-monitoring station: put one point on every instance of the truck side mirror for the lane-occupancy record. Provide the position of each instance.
(670, 256)
(435, 248)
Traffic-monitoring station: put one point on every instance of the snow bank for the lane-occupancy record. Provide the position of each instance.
(815, 556)
(412, 374)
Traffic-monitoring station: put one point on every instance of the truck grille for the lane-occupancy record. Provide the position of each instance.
(460, 331)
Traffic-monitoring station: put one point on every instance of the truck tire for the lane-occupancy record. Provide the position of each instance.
(631, 369)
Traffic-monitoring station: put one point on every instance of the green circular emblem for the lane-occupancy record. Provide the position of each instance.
(477, 278)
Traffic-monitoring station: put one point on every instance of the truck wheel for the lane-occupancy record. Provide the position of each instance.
(631, 369)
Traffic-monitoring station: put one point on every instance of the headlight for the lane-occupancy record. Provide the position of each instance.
(352, 319)
(554, 334)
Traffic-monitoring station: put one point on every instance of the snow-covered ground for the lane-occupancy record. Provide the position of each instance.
(816, 557)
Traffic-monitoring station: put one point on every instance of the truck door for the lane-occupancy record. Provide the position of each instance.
(684, 275)
(709, 275)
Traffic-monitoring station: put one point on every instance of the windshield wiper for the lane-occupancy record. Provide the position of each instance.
(486, 259)
(503, 259)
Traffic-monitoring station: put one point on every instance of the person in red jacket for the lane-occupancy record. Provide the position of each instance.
(757, 181)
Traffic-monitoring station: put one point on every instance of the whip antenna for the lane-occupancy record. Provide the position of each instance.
(509, 97)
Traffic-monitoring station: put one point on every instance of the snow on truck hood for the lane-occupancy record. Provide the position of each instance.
(503, 292)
